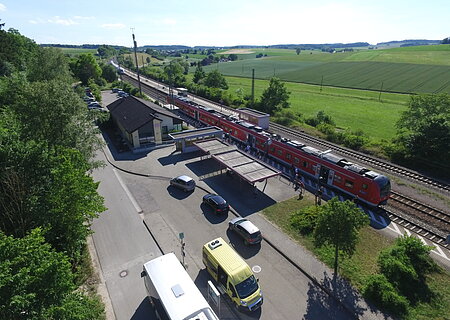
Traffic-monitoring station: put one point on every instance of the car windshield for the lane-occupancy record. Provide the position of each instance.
(255, 235)
(247, 287)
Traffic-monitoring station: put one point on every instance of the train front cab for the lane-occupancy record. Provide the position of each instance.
(384, 185)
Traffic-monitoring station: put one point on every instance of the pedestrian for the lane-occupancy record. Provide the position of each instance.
(247, 148)
(301, 186)
(319, 196)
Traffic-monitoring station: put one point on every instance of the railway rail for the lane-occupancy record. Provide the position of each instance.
(427, 214)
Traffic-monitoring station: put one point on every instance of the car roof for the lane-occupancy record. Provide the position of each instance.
(249, 227)
(184, 178)
(217, 198)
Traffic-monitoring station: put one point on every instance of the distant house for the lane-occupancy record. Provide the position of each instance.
(142, 122)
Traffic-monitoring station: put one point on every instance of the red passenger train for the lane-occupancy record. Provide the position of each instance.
(329, 169)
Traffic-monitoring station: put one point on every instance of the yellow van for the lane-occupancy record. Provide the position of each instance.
(232, 274)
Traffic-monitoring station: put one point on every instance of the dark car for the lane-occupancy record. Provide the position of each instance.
(246, 229)
(218, 204)
(183, 182)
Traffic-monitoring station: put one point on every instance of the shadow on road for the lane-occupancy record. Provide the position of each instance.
(211, 216)
(321, 303)
(144, 311)
(237, 243)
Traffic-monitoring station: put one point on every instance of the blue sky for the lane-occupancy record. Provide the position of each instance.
(226, 23)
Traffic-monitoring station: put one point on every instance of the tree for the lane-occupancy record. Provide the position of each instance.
(199, 74)
(36, 280)
(109, 72)
(445, 41)
(298, 50)
(215, 79)
(86, 67)
(49, 64)
(406, 265)
(424, 130)
(338, 225)
(51, 111)
(174, 72)
(274, 98)
(233, 57)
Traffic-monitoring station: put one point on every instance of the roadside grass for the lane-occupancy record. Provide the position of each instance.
(349, 108)
(364, 262)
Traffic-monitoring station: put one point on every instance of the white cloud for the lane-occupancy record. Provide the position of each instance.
(64, 22)
(2, 7)
(113, 26)
(83, 18)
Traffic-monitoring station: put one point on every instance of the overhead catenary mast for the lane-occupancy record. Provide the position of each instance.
(135, 58)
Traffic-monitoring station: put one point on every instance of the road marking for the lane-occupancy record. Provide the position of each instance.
(256, 269)
(130, 196)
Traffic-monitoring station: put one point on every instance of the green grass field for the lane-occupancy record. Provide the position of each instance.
(424, 69)
(349, 108)
(77, 51)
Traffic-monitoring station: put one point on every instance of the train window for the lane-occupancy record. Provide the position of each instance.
(296, 160)
(338, 179)
(349, 183)
(279, 152)
(235, 132)
(288, 156)
(305, 164)
(272, 149)
(365, 186)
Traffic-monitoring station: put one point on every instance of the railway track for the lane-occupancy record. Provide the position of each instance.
(417, 227)
(427, 214)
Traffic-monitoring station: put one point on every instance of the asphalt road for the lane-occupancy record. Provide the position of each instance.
(123, 243)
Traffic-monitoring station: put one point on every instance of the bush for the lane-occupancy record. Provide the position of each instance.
(382, 293)
(305, 219)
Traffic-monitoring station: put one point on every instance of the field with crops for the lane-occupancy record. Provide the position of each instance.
(368, 111)
(77, 51)
(424, 69)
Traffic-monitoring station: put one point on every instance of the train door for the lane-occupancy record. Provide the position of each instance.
(251, 140)
(324, 175)
(196, 114)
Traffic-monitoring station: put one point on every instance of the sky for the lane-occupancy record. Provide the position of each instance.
(226, 23)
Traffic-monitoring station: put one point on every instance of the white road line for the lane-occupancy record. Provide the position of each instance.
(130, 196)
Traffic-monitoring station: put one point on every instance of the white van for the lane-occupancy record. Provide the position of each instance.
(172, 292)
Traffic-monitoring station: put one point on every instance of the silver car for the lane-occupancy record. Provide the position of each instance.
(246, 229)
(183, 182)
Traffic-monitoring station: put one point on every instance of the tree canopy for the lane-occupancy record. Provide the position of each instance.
(338, 225)
(274, 98)
(424, 130)
(85, 67)
(215, 79)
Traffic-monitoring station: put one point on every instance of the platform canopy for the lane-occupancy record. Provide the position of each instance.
(248, 168)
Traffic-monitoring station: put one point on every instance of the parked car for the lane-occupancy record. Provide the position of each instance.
(94, 104)
(89, 99)
(115, 90)
(246, 230)
(184, 183)
(218, 204)
(122, 94)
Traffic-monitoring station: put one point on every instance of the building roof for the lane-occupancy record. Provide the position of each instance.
(133, 113)
(248, 168)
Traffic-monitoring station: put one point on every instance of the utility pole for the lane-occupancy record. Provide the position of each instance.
(253, 86)
(381, 89)
(135, 58)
